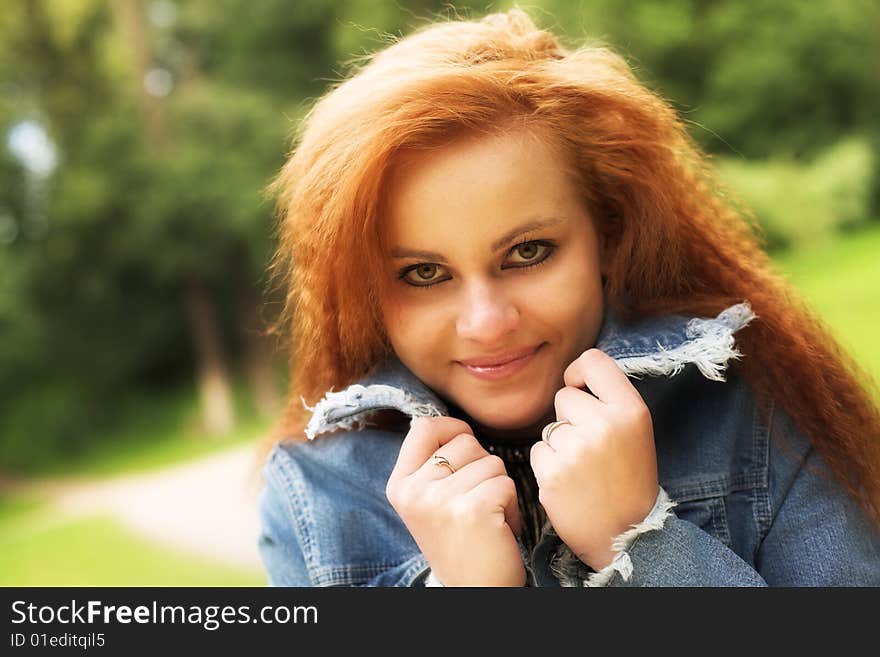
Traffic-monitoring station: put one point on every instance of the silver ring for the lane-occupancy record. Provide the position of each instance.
(442, 460)
(550, 428)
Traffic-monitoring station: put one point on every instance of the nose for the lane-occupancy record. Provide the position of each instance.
(487, 314)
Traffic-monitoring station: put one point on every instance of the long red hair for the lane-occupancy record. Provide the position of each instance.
(674, 242)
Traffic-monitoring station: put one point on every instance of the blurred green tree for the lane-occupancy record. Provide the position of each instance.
(768, 80)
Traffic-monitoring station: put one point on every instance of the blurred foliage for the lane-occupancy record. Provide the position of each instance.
(159, 179)
(803, 203)
(761, 79)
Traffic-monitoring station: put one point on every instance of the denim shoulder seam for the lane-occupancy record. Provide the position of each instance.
(762, 509)
(802, 460)
(296, 501)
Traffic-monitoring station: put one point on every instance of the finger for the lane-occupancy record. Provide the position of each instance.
(426, 436)
(501, 492)
(576, 406)
(564, 438)
(602, 375)
(460, 451)
(475, 473)
(541, 458)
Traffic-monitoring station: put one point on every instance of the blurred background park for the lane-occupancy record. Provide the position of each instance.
(138, 139)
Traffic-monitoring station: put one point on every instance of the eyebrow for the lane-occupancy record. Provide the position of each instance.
(504, 240)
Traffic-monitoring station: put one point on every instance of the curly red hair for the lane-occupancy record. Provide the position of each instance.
(673, 241)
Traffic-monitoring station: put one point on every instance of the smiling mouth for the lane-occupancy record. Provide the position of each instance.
(498, 361)
(503, 369)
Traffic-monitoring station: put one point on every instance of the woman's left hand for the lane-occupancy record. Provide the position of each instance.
(598, 475)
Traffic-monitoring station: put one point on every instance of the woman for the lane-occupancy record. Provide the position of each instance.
(513, 294)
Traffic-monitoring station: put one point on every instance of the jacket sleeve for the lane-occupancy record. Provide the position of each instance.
(281, 540)
(677, 554)
(662, 550)
(815, 534)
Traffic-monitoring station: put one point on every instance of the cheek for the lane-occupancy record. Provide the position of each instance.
(570, 288)
(412, 325)
(572, 301)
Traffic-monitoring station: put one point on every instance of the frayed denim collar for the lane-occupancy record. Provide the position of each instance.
(654, 347)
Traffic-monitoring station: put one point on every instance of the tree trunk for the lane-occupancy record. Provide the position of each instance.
(259, 357)
(133, 19)
(218, 410)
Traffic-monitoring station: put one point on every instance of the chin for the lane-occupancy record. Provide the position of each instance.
(509, 417)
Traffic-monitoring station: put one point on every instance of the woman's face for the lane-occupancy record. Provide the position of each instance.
(490, 255)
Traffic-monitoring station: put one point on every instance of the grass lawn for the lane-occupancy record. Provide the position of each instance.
(842, 282)
(38, 549)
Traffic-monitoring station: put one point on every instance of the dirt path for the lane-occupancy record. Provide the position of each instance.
(207, 507)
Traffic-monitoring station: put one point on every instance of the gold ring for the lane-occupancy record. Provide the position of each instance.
(442, 460)
(550, 428)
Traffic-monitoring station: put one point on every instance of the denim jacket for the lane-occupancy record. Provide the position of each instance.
(742, 502)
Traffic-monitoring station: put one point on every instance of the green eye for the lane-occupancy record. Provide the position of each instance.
(424, 275)
(528, 250)
(425, 272)
(532, 253)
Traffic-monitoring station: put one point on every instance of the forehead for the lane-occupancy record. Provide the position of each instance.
(474, 187)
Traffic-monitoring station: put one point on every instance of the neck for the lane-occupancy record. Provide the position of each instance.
(528, 434)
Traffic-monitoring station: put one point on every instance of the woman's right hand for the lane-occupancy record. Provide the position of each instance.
(463, 522)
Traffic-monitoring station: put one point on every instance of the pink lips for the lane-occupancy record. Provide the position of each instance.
(501, 369)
